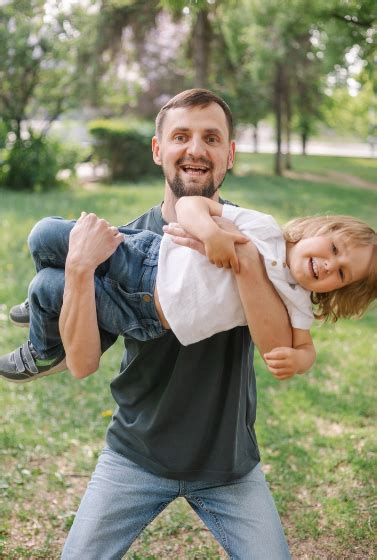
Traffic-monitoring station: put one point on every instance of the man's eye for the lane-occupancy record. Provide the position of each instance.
(179, 137)
(211, 139)
(334, 248)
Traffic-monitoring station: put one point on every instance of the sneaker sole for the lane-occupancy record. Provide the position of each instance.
(18, 324)
(62, 366)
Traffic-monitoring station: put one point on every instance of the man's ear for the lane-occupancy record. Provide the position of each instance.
(156, 151)
(231, 155)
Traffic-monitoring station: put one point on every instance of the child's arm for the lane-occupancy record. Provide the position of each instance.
(284, 362)
(194, 213)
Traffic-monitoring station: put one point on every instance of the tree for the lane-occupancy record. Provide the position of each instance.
(39, 75)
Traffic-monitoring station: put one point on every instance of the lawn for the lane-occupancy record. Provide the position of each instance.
(316, 432)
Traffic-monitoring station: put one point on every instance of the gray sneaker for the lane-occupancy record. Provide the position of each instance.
(23, 364)
(19, 314)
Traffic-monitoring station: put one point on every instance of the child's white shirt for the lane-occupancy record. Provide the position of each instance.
(199, 300)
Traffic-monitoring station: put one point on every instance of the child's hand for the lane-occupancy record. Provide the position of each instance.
(283, 362)
(220, 249)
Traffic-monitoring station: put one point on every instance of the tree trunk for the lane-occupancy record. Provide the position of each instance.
(304, 139)
(278, 101)
(201, 35)
(255, 138)
(288, 119)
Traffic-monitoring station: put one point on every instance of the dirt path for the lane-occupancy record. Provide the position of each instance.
(334, 177)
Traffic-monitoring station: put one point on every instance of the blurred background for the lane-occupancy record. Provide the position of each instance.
(82, 80)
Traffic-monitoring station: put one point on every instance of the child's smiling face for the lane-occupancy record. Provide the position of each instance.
(327, 262)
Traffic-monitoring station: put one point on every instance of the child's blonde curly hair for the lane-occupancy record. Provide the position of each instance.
(354, 299)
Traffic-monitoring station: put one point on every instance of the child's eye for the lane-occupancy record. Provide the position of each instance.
(341, 274)
(334, 248)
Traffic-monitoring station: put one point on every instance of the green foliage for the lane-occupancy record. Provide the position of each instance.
(29, 165)
(356, 116)
(125, 147)
(40, 78)
(33, 164)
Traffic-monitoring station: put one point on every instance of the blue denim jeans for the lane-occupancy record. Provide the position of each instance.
(124, 287)
(122, 498)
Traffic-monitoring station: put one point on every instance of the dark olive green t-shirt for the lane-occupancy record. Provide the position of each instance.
(186, 412)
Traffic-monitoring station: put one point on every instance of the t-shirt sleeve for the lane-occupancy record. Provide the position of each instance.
(263, 226)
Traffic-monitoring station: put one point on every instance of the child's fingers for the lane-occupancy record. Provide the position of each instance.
(283, 377)
(284, 373)
(277, 364)
(278, 353)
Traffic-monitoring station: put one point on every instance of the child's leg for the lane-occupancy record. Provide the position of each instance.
(46, 300)
(128, 280)
(43, 354)
(125, 305)
(48, 242)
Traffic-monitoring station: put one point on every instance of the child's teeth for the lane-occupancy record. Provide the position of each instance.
(315, 268)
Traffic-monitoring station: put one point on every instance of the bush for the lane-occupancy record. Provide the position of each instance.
(33, 164)
(125, 147)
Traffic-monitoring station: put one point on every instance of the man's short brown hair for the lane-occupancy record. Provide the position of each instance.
(194, 98)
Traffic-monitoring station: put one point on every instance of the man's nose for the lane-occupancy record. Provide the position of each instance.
(196, 147)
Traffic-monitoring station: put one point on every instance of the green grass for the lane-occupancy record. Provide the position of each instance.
(361, 168)
(316, 432)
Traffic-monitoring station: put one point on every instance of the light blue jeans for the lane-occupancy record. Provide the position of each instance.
(122, 498)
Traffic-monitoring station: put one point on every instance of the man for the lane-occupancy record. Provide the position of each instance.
(184, 421)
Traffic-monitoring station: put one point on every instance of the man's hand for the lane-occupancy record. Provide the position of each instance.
(181, 237)
(91, 242)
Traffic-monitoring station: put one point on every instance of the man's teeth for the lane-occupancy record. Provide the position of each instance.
(194, 170)
(315, 268)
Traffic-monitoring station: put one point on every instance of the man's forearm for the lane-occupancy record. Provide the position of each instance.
(265, 312)
(78, 323)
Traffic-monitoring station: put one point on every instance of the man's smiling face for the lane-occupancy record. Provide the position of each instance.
(194, 150)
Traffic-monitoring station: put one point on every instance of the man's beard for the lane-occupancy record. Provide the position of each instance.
(179, 189)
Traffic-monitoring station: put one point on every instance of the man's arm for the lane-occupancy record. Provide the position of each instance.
(266, 314)
(91, 242)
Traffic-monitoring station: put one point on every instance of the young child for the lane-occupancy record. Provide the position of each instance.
(151, 284)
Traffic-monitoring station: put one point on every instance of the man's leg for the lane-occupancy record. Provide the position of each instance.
(120, 501)
(242, 516)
